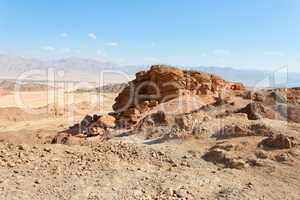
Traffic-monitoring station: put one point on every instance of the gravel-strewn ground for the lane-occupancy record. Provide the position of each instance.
(126, 170)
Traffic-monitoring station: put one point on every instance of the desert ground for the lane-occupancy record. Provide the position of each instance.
(26, 114)
(192, 146)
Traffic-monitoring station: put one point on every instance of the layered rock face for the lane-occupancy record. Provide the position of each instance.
(162, 83)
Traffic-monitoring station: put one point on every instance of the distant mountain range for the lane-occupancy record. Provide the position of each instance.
(256, 78)
(74, 68)
(82, 69)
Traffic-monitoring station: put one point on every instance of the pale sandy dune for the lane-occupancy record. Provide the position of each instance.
(48, 112)
(59, 98)
(47, 116)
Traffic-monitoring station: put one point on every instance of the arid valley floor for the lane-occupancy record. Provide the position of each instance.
(241, 145)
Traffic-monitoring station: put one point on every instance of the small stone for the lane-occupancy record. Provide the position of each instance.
(171, 191)
(206, 118)
(21, 147)
(47, 150)
(37, 181)
(180, 193)
(257, 96)
(261, 154)
(282, 157)
(10, 164)
(69, 152)
(2, 163)
(216, 156)
(238, 164)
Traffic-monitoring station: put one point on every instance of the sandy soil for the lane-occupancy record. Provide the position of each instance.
(20, 125)
(44, 98)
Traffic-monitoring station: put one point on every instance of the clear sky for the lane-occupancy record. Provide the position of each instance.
(261, 34)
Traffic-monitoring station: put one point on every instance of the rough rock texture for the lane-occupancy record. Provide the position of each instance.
(106, 121)
(163, 83)
(90, 126)
(278, 141)
(154, 120)
(160, 124)
(278, 97)
(220, 156)
(254, 95)
(293, 95)
(239, 130)
(256, 111)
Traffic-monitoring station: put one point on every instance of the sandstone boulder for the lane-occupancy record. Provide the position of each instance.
(107, 121)
(237, 86)
(239, 130)
(278, 141)
(216, 155)
(261, 154)
(223, 157)
(60, 138)
(281, 157)
(258, 96)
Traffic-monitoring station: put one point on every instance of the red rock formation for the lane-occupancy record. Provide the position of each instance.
(162, 83)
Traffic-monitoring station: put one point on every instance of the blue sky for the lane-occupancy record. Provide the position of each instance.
(261, 34)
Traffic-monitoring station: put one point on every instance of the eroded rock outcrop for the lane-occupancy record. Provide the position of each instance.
(162, 83)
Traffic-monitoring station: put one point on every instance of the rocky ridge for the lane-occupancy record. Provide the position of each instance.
(162, 83)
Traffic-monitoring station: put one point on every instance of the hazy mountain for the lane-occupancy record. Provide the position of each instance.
(80, 64)
(74, 68)
(21, 64)
(254, 78)
(82, 69)
(13, 64)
